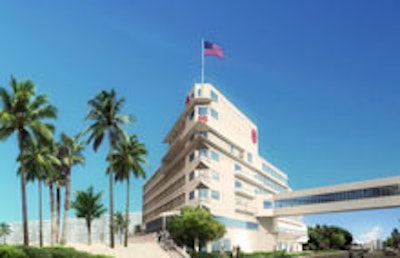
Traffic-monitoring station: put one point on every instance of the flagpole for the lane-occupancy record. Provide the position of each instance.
(202, 61)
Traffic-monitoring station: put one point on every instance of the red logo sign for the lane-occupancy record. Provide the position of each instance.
(254, 136)
(203, 119)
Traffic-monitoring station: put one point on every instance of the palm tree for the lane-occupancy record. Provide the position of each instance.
(87, 205)
(50, 180)
(119, 224)
(104, 113)
(38, 161)
(127, 156)
(70, 154)
(5, 230)
(56, 178)
(23, 113)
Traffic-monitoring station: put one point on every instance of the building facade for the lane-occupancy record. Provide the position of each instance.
(213, 161)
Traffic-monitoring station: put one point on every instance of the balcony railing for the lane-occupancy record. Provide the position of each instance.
(246, 192)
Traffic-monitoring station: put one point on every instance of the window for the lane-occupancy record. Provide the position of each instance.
(203, 193)
(191, 195)
(203, 153)
(238, 167)
(191, 156)
(214, 96)
(250, 157)
(203, 111)
(267, 204)
(238, 184)
(214, 156)
(191, 175)
(215, 195)
(235, 223)
(203, 133)
(232, 149)
(191, 116)
(199, 93)
(214, 113)
(215, 175)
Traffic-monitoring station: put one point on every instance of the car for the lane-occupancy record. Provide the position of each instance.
(356, 251)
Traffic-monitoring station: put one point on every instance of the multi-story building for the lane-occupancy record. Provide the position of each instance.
(213, 161)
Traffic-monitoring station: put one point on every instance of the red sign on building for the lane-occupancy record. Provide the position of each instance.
(203, 119)
(254, 136)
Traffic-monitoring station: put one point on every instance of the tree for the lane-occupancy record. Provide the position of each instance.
(393, 240)
(38, 161)
(23, 112)
(327, 237)
(104, 113)
(87, 205)
(127, 156)
(5, 230)
(119, 224)
(195, 225)
(70, 154)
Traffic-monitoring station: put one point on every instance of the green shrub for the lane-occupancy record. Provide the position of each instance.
(11, 252)
(47, 252)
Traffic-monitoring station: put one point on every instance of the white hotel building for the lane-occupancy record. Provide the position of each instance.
(213, 161)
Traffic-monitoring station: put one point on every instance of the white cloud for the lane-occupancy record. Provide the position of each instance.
(369, 236)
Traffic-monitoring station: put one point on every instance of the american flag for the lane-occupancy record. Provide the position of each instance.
(211, 49)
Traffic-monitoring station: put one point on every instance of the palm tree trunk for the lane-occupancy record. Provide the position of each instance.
(23, 193)
(127, 213)
(111, 212)
(58, 207)
(66, 205)
(111, 198)
(89, 231)
(53, 238)
(40, 214)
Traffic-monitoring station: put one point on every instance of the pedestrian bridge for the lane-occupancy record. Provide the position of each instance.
(362, 195)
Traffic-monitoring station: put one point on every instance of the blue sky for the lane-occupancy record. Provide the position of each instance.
(320, 79)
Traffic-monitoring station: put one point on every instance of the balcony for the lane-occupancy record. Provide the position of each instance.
(248, 177)
(245, 208)
(245, 192)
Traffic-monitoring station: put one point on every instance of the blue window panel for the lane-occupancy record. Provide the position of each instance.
(203, 193)
(238, 167)
(250, 157)
(203, 153)
(215, 195)
(191, 175)
(267, 204)
(222, 242)
(203, 133)
(214, 156)
(191, 116)
(235, 223)
(238, 184)
(203, 111)
(191, 195)
(215, 175)
(214, 96)
(191, 156)
(199, 93)
(214, 113)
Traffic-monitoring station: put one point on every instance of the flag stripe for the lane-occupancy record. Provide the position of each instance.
(211, 49)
